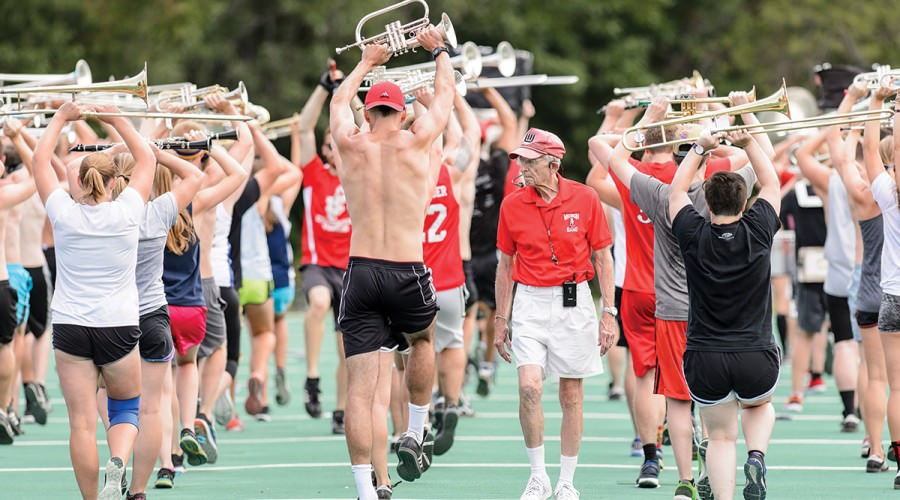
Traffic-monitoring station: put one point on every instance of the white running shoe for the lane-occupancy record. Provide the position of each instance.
(115, 470)
(538, 488)
(566, 491)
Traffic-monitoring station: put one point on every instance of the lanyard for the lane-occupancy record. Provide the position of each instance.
(553, 256)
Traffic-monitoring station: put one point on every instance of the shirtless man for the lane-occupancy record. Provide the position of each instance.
(388, 297)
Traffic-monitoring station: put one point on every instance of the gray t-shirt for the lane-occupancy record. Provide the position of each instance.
(159, 216)
(669, 279)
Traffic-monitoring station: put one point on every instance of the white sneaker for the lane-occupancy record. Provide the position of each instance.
(566, 491)
(538, 488)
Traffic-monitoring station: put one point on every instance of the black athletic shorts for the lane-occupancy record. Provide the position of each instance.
(37, 316)
(622, 342)
(50, 257)
(719, 377)
(102, 345)
(382, 301)
(312, 275)
(866, 319)
(484, 268)
(156, 336)
(8, 320)
(472, 297)
(839, 314)
(811, 306)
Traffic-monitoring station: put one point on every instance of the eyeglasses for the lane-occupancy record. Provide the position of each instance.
(527, 163)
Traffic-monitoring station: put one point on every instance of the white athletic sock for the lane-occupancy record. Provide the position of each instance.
(536, 459)
(362, 474)
(417, 417)
(567, 468)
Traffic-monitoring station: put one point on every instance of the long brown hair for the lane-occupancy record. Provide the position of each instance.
(96, 171)
(181, 236)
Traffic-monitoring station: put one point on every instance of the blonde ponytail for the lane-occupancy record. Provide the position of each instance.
(96, 171)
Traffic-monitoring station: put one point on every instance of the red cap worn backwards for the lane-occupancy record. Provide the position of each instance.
(537, 143)
(385, 94)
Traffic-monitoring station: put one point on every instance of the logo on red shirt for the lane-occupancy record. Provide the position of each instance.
(335, 206)
(572, 221)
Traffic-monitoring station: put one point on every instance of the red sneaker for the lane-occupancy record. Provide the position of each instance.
(235, 424)
(794, 403)
(816, 386)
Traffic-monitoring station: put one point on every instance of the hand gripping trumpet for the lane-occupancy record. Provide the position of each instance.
(401, 38)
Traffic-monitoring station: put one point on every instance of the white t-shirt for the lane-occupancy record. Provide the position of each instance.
(96, 256)
(255, 261)
(840, 242)
(221, 262)
(884, 190)
(159, 216)
(619, 253)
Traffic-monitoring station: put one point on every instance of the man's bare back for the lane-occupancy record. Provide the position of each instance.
(33, 215)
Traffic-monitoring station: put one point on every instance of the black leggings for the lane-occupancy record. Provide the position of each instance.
(232, 312)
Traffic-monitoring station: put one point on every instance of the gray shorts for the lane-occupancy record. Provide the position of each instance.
(448, 331)
(889, 315)
(811, 306)
(215, 319)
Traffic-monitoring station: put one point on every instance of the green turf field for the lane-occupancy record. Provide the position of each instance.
(294, 456)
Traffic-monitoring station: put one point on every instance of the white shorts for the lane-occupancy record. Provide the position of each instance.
(448, 330)
(561, 340)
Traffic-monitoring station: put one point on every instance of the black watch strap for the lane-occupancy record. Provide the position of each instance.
(437, 51)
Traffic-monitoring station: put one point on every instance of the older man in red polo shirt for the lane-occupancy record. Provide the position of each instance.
(552, 227)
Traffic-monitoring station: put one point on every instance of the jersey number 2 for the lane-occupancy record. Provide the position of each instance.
(435, 234)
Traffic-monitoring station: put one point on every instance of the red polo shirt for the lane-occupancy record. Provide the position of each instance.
(576, 225)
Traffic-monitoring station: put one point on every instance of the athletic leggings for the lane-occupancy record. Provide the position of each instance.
(232, 312)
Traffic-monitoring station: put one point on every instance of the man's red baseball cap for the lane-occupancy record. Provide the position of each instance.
(537, 143)
(386, 94)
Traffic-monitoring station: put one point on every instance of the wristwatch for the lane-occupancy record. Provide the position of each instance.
(437, 51)
(699, 149)
(614, 312)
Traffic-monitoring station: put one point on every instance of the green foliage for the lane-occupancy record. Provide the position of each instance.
(279, 47)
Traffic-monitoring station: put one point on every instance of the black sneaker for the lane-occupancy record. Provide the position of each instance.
(282, 390)
(337, 422)
(165, 479)
(876, 464)
(192, 448)
(7, 434)
(178, 464)
(444, 438)
(311, 398)
(755, 471)
(35, 404)
(384, 492)
(414, 458)
(649, 477)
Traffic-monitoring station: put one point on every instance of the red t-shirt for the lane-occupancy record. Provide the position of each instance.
(326, 223)
(714, 165)
(440, 238)
(576, 225)
(512, 176)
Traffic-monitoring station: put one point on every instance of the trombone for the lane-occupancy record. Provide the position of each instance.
(279, 128)
(136, 86)
(504, 59)
(414, 80)
(139, 114)
(395, 34)
(81, 75)
(469, 62)
(523, 81)
(689, 106)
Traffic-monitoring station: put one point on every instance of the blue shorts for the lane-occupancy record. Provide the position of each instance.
(20, 281)
(283, 298)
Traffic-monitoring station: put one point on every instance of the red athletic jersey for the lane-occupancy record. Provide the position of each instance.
(714, 165)
(512, 178)
(440, 238)
(326, 223)
(576, 225)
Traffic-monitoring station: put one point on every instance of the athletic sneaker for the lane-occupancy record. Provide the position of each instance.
(235, 424)
(414, 458)
(565, 491)
(755, 471)
(191, 447)
(704, 490)
(384, 492)
(866, 449)
(178, 464)
(538, 488)
(685, 490)
(206, 435)
(649, 477)
(637, 449)
(263, 415)
(35, 403)
(136, 496)
(465, 408)
(665, 439)
(311, 397)
(850, 423)
(816, 385)
(394, 444)
(115, 470)
(337, 422)
(283, 392)
(224, 409)
(897, 481)
(15, 423)
(485, 376)
(876, 464)
(615, 393)
(794, 403)
(165, 479)
(6, 431)
(253, 404)
(444, 438)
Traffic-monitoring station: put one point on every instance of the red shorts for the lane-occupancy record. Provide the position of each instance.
(188, 325)
(639, 322)
(671, 337)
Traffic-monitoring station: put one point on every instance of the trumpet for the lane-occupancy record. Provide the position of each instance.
(279, 128)
(469, 61)
(238, 97)
(672, 88)
(504, 59)
(418, 79)
(136, 86)
(395, 34)
(81, 75)
(168, 143)
(883, 75)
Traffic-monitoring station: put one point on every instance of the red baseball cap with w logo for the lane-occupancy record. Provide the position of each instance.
(385, 94)
(537, 143)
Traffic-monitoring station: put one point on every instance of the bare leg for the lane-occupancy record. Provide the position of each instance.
(379, 417)
(451, 371)
(261, 319)
(874, 394)
(211, 369)
(319, 298)
(531, 413)
(41, 357)
(722, 424)
(78, 381)
(149, 437)
(647, 407)
(186, 387)
(420, 366)
(571, 398)
(616, 360)
(757, 422)
(681, 431)
(819, 346)
(341, 373)
(167, 419)
(630, 387)
(7, 374)
(801, 350)
(890, 341)
(398, 401)
(123, 381)
(363, 382)
(281, 341)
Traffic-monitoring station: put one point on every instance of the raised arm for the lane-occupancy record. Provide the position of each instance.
(44, 177)
(342, 121)
(842, 154)
(235, 176)
(309, 117)
(273, 166)
(598, 178)
(872, 135)
(769, 185)
(144, 159)
(750, 120)
(509, 136)
(428, 127)
(678, 197)
(813, 169)
(618, 162)
(16, 132)
(191, 176)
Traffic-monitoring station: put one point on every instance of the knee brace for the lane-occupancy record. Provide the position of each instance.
(123, 411)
